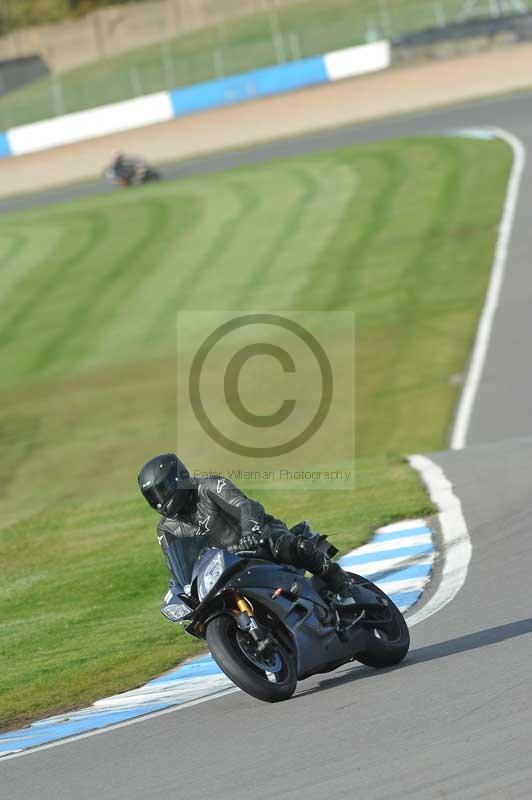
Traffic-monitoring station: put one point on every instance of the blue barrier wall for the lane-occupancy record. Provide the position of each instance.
(5, 150)
(261, 82)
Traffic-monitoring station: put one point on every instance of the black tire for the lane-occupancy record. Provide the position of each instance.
(221, 635)
(389, 643)
(151, 175)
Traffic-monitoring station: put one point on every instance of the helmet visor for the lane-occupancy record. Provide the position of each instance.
(159, 494)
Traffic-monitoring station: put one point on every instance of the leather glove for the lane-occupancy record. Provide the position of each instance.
(249, 542)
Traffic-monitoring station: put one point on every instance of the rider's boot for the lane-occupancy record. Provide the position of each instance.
(304, 552)
(340, 583)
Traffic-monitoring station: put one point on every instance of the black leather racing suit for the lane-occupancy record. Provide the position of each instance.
(235, 522)
(122, 169)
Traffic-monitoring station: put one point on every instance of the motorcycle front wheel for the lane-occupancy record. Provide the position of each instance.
(270, 676)
(150, 175)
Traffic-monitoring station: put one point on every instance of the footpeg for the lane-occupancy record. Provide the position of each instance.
(344, 602)
(343, 628)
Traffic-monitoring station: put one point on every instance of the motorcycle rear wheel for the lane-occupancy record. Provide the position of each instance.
(228, 648)
(388, 642)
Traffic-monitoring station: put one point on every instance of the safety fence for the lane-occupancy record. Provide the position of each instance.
(125, 51)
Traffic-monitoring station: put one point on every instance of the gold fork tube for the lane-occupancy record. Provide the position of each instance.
(243, 606)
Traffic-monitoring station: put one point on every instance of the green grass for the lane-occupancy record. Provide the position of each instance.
(235, 47)
(401, 232)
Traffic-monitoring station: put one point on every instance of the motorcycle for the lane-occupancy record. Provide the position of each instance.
(268, 626)
(132, 172)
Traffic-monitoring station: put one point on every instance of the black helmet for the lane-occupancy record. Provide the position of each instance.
(166, 484)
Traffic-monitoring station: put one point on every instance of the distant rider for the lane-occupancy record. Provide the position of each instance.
(215, 506)
(121, 167)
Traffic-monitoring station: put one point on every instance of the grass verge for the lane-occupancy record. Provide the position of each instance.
(402, 232)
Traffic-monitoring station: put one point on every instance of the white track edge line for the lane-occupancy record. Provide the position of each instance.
(124, 724)
(457, 547)
(482, 339)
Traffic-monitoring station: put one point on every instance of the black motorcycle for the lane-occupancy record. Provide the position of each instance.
(267, 625)
(131, 171)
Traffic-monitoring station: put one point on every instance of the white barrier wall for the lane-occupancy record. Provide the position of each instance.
(358, 60)
(88, 124)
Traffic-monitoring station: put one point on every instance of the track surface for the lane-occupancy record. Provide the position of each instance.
(455, 720)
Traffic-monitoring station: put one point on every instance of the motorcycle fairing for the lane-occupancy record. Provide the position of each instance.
(303, 614)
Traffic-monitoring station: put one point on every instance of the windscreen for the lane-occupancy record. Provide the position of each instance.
(181, 553)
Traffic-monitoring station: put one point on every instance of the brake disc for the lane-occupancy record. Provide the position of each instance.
(268, 661)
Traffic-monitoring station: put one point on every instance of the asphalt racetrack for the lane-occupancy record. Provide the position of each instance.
(455, 719)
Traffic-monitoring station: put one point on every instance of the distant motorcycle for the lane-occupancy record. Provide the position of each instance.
(130, 171)
(267, 625)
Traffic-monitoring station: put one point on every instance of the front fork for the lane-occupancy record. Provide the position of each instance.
(246, 622)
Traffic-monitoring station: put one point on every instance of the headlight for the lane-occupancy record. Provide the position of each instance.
(211, 575)
(175, 611)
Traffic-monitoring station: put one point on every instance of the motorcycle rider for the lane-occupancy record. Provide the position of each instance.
(215, 506)
(121, 167)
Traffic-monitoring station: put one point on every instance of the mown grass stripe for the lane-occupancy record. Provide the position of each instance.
(38, 286)
(85, 320)
(315, 233)
(191, 282)
(294, 219)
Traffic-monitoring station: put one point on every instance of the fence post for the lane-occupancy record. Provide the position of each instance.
(58, 101)
(386, 21)
(136, 83)
(218, 61)
(439, 13)
(277, 38)
(4, 123)
(372, 34)
(168, 65)
(99, 35)
(295, 45)
(173, 23)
